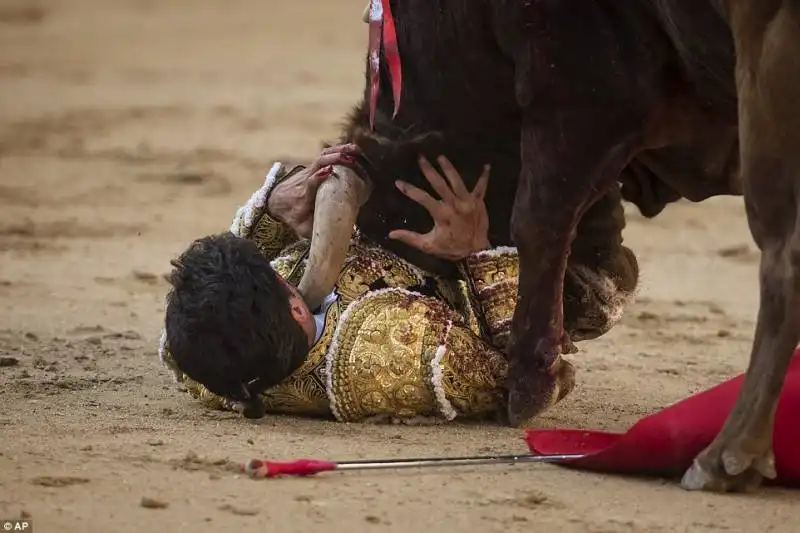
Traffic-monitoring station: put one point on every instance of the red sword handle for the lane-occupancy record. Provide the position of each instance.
(257, 468)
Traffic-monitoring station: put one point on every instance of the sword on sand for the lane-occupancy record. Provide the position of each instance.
(259, 468)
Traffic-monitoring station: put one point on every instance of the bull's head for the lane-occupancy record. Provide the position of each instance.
(339, 199)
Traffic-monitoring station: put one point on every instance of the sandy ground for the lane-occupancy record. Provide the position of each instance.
(129, 127)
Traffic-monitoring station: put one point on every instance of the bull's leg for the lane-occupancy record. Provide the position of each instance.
(767, 37)
(566, 166)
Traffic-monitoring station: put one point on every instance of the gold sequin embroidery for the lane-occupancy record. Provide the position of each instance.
(488, 268)
(291, 263)
(498, 302)
(367, 264)
(380, 361)
(472, 373)
(458, 295)
(270, 236)
(494, 278)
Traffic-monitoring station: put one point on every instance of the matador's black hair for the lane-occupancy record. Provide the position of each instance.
(228, 320)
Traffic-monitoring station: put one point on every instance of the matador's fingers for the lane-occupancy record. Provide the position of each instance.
(453, 178)
(436, 180)
(479, 191)
(415, 240)
(337, 155)
(418, 195)
(350, 148)
(317, 178)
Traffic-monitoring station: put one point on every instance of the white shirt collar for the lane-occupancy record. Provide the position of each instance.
(319, 317)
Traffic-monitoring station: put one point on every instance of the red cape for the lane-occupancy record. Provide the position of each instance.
(666, 443)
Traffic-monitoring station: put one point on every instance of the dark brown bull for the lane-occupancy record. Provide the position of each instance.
(569, 98)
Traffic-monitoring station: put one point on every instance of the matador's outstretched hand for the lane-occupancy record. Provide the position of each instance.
(461, 222)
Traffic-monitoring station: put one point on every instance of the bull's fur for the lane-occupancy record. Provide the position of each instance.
(566, 99)
(469, 111)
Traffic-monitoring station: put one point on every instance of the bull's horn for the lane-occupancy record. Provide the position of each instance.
(365, 15)
(339, 199)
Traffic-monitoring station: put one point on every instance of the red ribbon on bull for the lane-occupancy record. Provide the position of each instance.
(383, 33)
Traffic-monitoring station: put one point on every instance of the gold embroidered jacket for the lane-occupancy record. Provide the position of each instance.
(389, 349)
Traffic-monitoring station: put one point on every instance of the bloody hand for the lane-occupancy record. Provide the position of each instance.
(461, 223)
(292, 201)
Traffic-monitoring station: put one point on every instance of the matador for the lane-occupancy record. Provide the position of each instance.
(389, 343)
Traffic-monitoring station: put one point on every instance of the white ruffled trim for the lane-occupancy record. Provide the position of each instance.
(246, 214)
(495, 252)
(334, 347)
(162, 346)
(384, 291)
(162, 356)
(332, 350)
(437, 373)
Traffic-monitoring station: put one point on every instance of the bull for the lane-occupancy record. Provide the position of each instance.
(578, 105)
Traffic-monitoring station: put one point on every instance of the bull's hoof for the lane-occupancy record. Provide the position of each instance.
(726, 467)
(530, 393)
